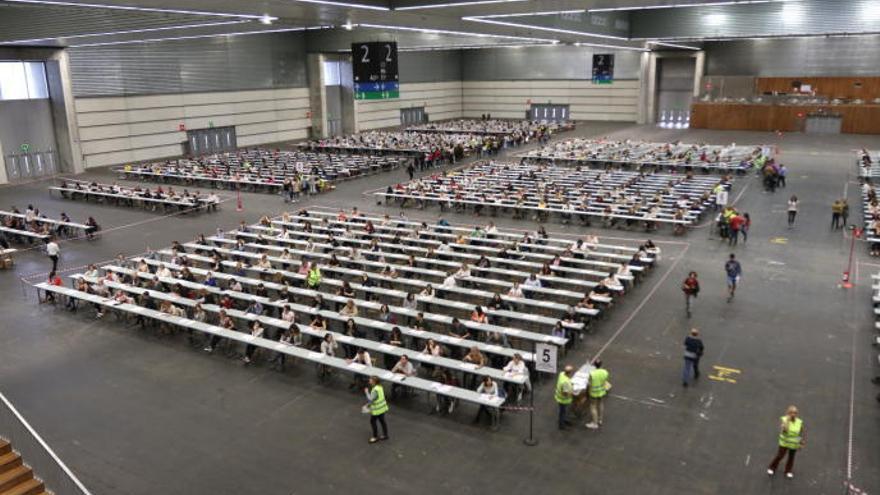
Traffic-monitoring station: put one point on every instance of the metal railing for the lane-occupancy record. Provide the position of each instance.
(36, 453)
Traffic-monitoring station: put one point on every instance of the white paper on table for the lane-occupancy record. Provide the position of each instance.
(468, 366)
(315, 355)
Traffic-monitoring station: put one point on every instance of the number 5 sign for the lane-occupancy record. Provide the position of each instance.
(545, 358)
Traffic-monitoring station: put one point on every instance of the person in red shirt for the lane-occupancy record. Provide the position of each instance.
(54, 280)
(691, 288)
(736, 224)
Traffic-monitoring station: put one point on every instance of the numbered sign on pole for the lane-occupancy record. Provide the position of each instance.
(545, 358)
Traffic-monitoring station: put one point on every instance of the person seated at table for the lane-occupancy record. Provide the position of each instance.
(360, 357)
(488, 387)
(386, 316)
(349, 310)
(479, 316)
(256, 331)
(476, 358)
(92, 228)
(443, 403)
(532, 282)
(517, 367)
(458, 330)
(516, 291)
(402, 367)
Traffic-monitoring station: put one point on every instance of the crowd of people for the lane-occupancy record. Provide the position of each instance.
(125, 195)
(34, 221)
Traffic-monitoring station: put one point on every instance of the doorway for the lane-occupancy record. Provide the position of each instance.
(413, 116)
(212, 140)
(549, 112)
(675, 88)
(333, 91)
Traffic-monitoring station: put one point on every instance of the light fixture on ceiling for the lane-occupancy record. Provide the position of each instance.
(348, 26)
(457, 33)
(615, 47)
(485, 20)
(715, 19)
(131, 31)
(687, 5)
(454, 4)
(674, 45)
(61, 3)
(346, 4)
(528, 14)
(198, 36)
(266, 19)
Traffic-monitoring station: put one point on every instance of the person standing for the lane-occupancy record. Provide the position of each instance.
(780, 176)
(691, 288)
(53, 250)
(792, 210)
(377, 407)
(564, 395)
(736, 223)
(791, 439)
(734, 271)
(836, 210)
(844, 212)
(598, 386)
(410, 170)
(693, 351)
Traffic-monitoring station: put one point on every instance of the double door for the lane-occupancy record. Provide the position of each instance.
(413, 116)
(549, 112)
(30, 165)
(212, 140)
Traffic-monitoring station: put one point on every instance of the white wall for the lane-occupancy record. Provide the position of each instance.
(618, 101)
(115, 130)
(442, 101)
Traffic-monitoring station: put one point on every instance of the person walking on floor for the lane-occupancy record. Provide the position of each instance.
(836, 210)
(564, 395)
(734, 271)
(691, 288)
(410, 170)
(792, 210)
(377, 407)
(693, 351)
(736, 223)
(791, 439)
(780, 176)
(598, 386)
(844, 212)
(53, 250)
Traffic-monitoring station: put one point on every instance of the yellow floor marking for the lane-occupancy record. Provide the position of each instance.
(724, 374)
(779, 240)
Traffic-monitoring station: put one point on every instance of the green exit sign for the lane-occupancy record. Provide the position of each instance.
(25, 148)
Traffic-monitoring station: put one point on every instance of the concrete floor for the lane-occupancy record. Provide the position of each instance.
(133, 414)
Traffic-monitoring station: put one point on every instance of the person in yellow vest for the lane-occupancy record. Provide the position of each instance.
(598, 386)
(564, 395)
(314, 277)
(378, 407)
(791, 439)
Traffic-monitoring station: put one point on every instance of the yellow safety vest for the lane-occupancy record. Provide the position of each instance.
(378, 406)
(314, 277)
(562, 383)
(790, 438)
(598, 379)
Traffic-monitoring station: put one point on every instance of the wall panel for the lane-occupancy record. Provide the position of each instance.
(442, 101)
(116, 130)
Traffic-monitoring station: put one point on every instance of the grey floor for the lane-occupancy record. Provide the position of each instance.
(133, 414)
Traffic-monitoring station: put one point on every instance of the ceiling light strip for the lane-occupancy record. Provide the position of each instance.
(697, 39)
(138, 9)
(198, 36)
(542, 28)
(615, 47)
(673, 45)
(346, 4)
(528, 14)
(454, 4)
(686, 5)
(457, 33)
(133, 31)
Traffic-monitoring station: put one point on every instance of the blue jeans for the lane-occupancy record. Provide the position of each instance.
(563, 408)
(691, 370)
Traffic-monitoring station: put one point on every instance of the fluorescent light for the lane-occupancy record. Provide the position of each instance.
(345, 4)
(429, 48)
(715, 19)
(266, 19)
(454, 4)
(527, 14)
(133, 31)
(616, 47)
(138, 9)
(687, 5)
(457, 33)
(542, 28)
(197, 36)
(673, 45)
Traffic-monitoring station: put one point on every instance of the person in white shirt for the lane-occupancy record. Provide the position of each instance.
(515, 290)
(164, 272)
(517, 367)
(405, 368)
(256, 331)
(53, 250)
(449, 281)
(532, 281)
(488, 387)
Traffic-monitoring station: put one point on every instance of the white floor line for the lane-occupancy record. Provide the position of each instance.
(623, 326)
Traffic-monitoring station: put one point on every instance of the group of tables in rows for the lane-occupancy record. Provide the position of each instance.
(461, 303)
(265, 170)
(33, 225)
(614, 197)
(167, 198)
(444, 141)
(641, 154)
(875, 299)
(868, 164)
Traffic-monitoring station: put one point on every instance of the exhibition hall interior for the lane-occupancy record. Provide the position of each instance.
(439, 246)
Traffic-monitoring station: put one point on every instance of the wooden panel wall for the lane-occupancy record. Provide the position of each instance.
(831, 87)
(857, 119)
